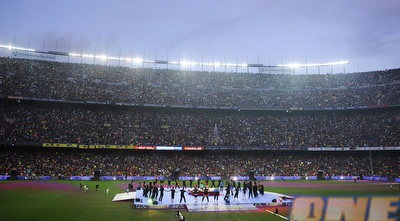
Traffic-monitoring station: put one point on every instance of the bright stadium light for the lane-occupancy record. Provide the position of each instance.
(208, 64)
(293, 65)
(74, 55)
(215, 65)
(87, 56)
(296, 65)
(10, 47)
(185, 63)
(102, 57)
(138, 60)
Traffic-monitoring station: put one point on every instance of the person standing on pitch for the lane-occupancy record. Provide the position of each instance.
(221, 186)
(250, 188)
(183, 195)
(195, 193)
(244, 191)
(236, 193)
(172, 194)
(205, 194)
(161, 193)
(216, 191)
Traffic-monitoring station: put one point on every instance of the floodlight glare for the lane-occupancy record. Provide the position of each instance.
(10, 47)
(138, 60)
(294, 65)
(102, 57)
(87, 55)
(214, 64)
(185, 63)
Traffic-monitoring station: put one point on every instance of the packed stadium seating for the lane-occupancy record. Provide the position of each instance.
(114, 84)
(225, 164)
(52, 102)
(88, 124)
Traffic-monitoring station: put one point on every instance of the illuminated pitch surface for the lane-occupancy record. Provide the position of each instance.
(239, 204)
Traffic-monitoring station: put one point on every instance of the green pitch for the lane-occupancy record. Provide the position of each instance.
(63, 200)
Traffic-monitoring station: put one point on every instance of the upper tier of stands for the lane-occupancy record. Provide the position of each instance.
(72, 82)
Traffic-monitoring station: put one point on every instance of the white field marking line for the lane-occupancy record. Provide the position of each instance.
(277, 214)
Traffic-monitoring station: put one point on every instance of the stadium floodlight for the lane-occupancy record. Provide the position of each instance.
(74, 55)
(137, 60)
(113, 58)
(185, 63)
(102, 57)
(296, 65)
(337, 63)
(10, 47)
(207, 64)
(214, 64)
(87, 56)
(293, 65)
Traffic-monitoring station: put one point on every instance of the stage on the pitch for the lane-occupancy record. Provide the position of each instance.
(213, 205)
(124, 196)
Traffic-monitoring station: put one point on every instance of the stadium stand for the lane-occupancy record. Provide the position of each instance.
(82, 104)
(120, 85)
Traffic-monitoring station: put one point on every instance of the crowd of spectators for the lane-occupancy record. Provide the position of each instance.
(76, 120)
(138, 86)
(264, 163)
(115, 125)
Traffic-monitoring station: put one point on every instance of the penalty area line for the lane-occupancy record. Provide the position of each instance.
(276, 214)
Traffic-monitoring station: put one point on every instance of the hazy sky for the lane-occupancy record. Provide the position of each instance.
(364, 32)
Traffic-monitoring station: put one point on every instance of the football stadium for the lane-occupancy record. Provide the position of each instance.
(93, 141)
(106, 136)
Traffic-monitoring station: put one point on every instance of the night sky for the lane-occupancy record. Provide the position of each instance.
(364, 32)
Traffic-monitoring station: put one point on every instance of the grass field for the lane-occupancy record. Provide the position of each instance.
(63, 200)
